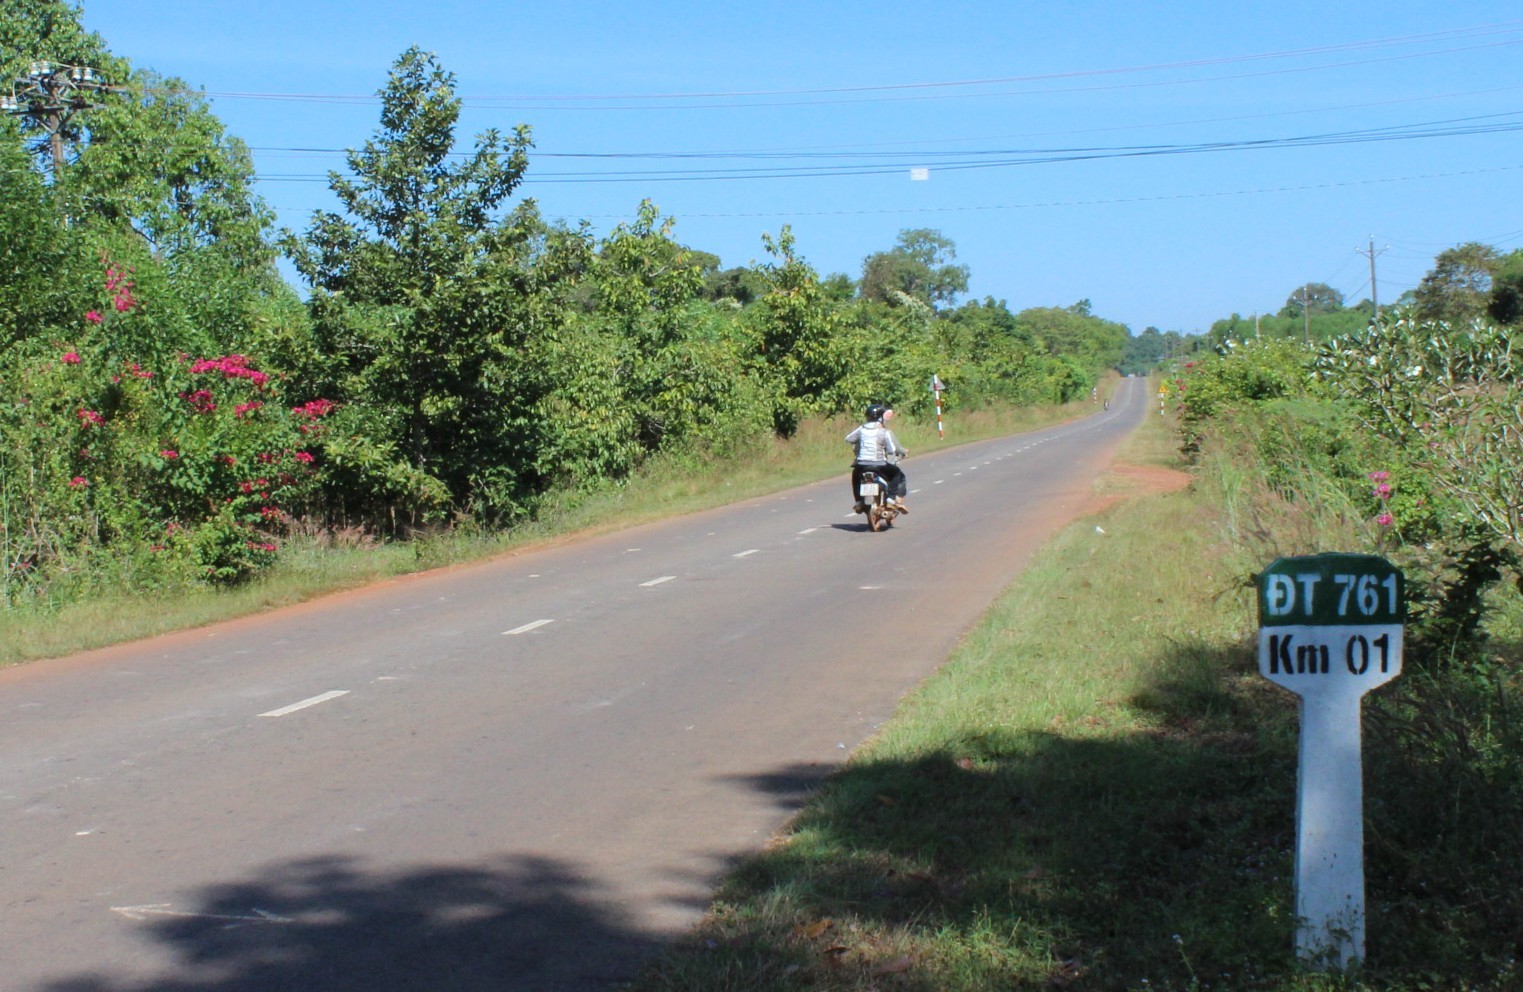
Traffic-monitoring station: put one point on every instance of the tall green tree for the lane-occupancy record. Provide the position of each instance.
(418, 302)
(798, 343)
(1458, 286)
(1312, 297)
(920, 265)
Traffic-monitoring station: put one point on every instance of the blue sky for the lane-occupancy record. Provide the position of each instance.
(1173, 163)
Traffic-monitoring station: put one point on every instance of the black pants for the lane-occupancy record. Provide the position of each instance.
(892, 476)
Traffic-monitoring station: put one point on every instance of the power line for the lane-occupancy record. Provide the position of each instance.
(869, 164)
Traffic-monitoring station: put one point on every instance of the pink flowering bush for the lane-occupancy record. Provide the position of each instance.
(182, 467)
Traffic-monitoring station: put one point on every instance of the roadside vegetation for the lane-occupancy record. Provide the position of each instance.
(454, 370)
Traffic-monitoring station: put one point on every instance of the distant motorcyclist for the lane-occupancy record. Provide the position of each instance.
(875, 445)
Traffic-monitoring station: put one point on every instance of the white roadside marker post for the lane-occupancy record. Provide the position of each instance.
(936, 388)
(1330, 630)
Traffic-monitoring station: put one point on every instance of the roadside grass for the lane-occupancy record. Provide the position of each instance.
(113, 609)
(1096, 792)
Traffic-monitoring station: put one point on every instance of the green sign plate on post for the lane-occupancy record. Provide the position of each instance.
(1331, 590)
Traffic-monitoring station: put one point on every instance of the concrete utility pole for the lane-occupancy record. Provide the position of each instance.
(1306, 312)
(1370, 253)
(50, 93)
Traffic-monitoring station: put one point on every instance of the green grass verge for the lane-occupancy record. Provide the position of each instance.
(1096, 792)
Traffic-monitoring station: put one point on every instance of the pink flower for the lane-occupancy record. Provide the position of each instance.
(78, 481)
(1385, 520)
(169, 454)
(94, 317)
(305, 457)
(89, 418)
(1383, 490)
(70, 358)
(243, 408)
(314, 409)
(231, 367)
(1379, 476)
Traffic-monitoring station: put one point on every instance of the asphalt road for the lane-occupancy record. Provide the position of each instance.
(522, 774)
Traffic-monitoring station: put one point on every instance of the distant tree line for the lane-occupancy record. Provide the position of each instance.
(1471, 281)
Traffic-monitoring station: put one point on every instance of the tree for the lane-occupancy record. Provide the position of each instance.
(741, 285)
(1316, 297)
(419, 298)
(1073, 332)
(1506, 303)
(1456, 289)
(919, 265)
(798, 323)
(152, 179)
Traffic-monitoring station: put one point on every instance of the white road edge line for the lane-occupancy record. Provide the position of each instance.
(323, 698)
(526, 627)
(657, 582)
(811, 530)
(745, 554)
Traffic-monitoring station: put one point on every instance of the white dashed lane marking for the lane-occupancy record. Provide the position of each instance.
(527, 627)
(312, 701)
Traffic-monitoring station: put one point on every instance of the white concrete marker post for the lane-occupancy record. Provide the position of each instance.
(1330, 630)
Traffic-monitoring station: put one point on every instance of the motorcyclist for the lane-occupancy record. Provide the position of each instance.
(875, 445)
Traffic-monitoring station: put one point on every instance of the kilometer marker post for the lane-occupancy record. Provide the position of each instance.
(1330, 630)
(937, 387)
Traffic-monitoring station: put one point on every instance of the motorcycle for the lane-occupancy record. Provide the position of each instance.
(874, 500)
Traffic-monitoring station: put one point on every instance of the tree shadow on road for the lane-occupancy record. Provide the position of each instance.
(328, 925)
(1003, 857)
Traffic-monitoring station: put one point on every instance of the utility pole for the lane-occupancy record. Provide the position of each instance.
(1370, 253)
(50, 93)
(1306, 312)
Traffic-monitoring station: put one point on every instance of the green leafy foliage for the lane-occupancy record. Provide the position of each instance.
(411, 309)
(1411, 425)
(798, 324)
(1458, 286)
(918, 267)
(186, 469)
(456, 360)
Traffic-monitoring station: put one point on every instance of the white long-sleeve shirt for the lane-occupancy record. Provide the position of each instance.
(874, 444)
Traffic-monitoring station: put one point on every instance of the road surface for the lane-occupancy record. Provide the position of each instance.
(521, 774)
